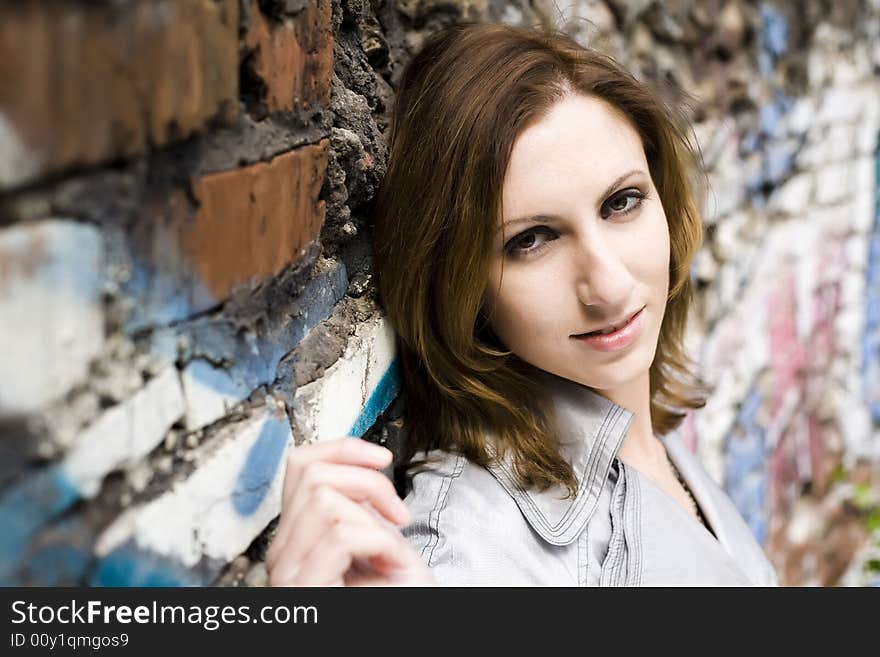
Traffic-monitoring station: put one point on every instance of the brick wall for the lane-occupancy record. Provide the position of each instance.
(185, 291)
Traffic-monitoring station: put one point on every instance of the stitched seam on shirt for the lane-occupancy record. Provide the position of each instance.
(584, 557)
(601, 447)
(617, 570)
(439, 505)
(569, 518)
(613, 556)
(601, 433)
(607, 577)
(595, 465)
(636, 576)
(634, 542)
(623, 564)
(612, 421)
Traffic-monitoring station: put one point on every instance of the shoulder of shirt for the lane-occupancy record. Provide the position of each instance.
(450, 481)
(460, 515)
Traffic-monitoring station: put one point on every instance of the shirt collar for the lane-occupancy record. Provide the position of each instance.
(591, 432)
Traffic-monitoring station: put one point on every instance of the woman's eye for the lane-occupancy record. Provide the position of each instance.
(529, 241)
(623, 203)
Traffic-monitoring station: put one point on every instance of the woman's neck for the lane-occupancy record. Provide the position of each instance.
(640, 446)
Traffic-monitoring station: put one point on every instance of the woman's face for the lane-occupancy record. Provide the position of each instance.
(597, 252)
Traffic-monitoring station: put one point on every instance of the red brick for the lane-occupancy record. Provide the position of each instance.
(293, 58)
(89, 82)
(254, 221)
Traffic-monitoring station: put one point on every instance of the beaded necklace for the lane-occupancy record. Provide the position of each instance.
(694, 505)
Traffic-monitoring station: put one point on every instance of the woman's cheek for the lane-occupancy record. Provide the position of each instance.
(524, 306)
(655, 244)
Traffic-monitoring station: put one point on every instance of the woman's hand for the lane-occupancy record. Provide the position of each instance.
(339, 521)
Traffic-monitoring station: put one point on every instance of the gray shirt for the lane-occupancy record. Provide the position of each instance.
(477, 526)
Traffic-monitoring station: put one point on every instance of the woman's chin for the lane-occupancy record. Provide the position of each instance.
(609, 377)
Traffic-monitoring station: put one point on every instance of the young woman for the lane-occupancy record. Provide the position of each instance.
(532, 249)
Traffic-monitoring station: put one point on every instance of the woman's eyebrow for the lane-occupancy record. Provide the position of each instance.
(550, 218)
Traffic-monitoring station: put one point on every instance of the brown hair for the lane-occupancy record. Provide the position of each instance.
(462, 101)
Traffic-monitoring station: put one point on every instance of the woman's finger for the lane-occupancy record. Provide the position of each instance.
(358, 483)
(348, 451)
(318, 524)
(327, 563)
(343, 451)
(324, 508)
(351, 451)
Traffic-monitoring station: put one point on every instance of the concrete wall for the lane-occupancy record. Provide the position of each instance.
(185, 291)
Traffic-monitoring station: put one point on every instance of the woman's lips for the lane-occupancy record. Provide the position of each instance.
(622, 338)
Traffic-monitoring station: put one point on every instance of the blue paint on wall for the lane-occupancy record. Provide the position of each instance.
(774, 38)
(128, 565)
(58, 565)
(159, 298)
(27, 507)
(778, 162)
(745, 466)
(771, 116)
(254, 356)
(870, 364)
(769, 140)
(260, 466)
(60, 554)
(234, 383)
(385, 392)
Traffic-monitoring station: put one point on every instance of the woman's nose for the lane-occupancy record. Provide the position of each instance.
(603, 277)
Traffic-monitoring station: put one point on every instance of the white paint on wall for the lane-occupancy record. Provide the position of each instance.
(328, 408)
(196, 518)
(210, 393)
(50, 304)
(125, 433)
